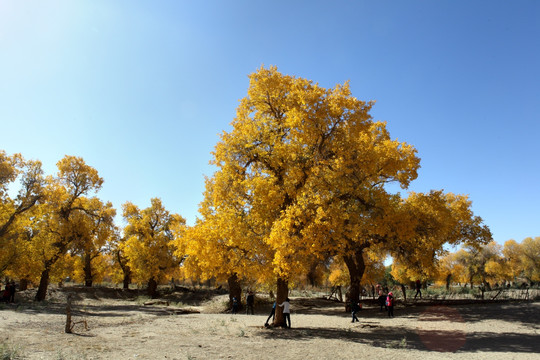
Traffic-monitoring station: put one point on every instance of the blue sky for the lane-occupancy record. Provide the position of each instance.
(141, 89)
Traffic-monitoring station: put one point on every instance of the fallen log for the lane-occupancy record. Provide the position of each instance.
(156, 302)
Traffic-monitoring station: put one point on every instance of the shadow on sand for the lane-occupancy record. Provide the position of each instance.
(399, 337)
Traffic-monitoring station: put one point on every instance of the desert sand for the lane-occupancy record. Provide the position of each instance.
(118, 326)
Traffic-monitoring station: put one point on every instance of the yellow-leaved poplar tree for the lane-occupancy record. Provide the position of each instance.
(303, 168)
(59, 226)
(95, 227)
(149, 242)
(427, 223)
(14, 211)
(530, 258)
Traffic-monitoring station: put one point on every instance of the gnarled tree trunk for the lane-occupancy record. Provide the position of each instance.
(23, 284)
(235, 290)
(356, 266)
(281, 296)
(404, 291)
(312, 274)
(127, 277)
(43, 284)
(88, 278)
(125, 269)
(152, 288)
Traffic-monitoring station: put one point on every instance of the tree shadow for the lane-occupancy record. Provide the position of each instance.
(90, 310)
(523, 313)
(406, 338)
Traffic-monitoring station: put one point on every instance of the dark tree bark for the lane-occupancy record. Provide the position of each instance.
(43, 284)
(127, 277)
(448, 280)
(88, 278)
(23, 284)
(281, 295)
(356, 266)
(235, 290)
(125, 269)
(152, 288)
(68, 315)
(312, 274)
(404, 291)
(44, 281)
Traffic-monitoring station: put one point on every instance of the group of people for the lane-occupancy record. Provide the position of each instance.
(8, 295)
(250, 303)
(386, 301)
(286, 305)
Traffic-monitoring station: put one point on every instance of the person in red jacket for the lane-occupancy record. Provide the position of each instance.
(390, 304)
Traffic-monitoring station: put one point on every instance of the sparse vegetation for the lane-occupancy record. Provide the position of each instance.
(10, 352)
(117, 323)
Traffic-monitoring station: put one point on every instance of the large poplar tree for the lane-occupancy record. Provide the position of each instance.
(67, 202)
(148, 242)
(14, 211)
(299, 161)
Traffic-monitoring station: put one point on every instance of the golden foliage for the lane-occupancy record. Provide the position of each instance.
(148, 240)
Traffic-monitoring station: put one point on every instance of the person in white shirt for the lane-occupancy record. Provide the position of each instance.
(286, 312)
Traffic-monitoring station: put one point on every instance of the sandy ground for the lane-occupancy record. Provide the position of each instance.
(126, 329)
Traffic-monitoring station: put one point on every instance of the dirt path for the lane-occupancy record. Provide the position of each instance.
(120, 329)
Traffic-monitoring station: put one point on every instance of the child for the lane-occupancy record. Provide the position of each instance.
(272, 314)
(286, 312)
(390, 304)
(234, 305)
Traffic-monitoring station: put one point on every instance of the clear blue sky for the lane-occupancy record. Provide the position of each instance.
(141, 89)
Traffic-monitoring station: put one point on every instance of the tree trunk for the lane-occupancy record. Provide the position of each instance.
(356, 266)
(281, 295)
(43, 284)
(312, 274)
(339, 294)
(127, 277)
(88, 280)
(235, 290)
(404, 291)
(68, 315)
(23, 284)
(125, 269)
(448, 280)
(152, 288)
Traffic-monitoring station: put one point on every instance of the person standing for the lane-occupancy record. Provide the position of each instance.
(12, 290)
(272, 314)
(355, 307)
(286, 312)
(250, 301)
(382, 300)
(235, 305)
(390, 304)
(418, 285)
(5, 294)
